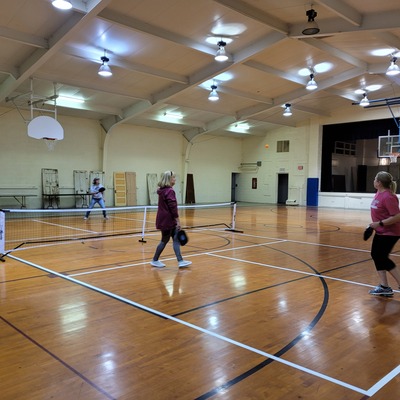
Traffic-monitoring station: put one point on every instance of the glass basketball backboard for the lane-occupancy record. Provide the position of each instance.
(388, 145)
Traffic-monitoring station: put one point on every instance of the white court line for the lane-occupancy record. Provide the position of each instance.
(64, 226)
(168, 259)
(198, 328)
(292, 270)
(381, 383)
(214, 254)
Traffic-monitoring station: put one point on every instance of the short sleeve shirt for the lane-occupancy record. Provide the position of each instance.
(384, 205)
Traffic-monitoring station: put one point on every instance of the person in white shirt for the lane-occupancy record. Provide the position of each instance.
(97, 190)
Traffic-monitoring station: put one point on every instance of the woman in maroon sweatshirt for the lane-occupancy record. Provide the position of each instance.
(167, 220)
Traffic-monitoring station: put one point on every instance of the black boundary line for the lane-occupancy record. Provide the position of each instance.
(51, 354)
(286, 348)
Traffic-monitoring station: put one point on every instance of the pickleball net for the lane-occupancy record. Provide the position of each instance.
(24, 227)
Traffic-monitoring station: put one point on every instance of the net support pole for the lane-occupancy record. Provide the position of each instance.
(233, 224)
(2, 235)
(144, 225)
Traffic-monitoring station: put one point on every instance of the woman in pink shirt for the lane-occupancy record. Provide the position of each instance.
(385, 215)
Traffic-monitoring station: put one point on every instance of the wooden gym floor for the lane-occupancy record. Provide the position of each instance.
(279, 311)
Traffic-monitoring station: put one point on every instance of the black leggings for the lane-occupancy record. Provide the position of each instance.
(165, 236)
(382, 246)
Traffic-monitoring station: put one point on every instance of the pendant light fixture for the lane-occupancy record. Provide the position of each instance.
(104, 69)
(62, 4)
(393, 68)
(311, 27)
(364, 102)
(288, 110)
(213, 96)
(221, 55)
(311, 84)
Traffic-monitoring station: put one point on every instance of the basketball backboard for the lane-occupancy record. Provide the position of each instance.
(45, 127)
(388, 145)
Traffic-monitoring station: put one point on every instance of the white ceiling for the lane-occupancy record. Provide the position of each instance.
(162, 56)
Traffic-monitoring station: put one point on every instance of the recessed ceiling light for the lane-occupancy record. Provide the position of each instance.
(240, 127)
(173, 115)
(71, 99)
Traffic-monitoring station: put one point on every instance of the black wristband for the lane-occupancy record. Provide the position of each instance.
(381, 223)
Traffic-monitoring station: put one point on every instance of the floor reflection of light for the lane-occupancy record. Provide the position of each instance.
(306, 334)
(357, 326)
(73, 316)
(213, 321)
(238, 281)
(109, 366)
(282, 305)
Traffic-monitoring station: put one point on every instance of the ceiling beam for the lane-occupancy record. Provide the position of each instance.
(58, 39)
(23, 38)
(343, 10)
(319, 44)
(141, 26)
(120, 62)
(256, 14)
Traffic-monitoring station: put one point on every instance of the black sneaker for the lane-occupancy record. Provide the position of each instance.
(381, 291)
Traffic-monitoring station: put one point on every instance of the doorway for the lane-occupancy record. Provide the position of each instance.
(283, 188)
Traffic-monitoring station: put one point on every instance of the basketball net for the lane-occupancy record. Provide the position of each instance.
(50, 143)
(393, 157)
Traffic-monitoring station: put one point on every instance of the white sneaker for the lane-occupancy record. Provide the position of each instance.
(105, 217)
(84, 217)
(157, 264)
(183, 264)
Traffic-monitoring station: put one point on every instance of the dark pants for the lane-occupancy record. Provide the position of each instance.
(165, 236)
(382, 246)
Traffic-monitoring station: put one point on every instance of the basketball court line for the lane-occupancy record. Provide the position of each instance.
(214, 253)
(73, 228)
(293, 270)
(346, 385)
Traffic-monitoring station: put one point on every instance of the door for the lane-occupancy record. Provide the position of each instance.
(190, 198)
(131, 197)
(119, 189)
(178, 189)
(283, 188)
(50, 186)
(96, 174)
(81, 186)
(152, 185)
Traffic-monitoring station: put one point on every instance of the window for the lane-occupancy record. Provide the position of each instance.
(282, 146)
(345, 148)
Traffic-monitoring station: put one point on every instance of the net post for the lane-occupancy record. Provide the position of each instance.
(233, 224)
(2, 235)
(143, 226)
